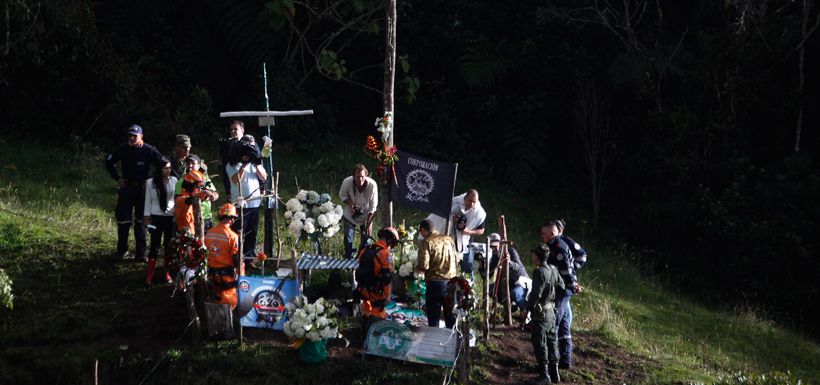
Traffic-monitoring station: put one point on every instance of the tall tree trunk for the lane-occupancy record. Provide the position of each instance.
(389, 86)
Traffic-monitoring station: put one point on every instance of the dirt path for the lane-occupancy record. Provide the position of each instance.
(509, 360)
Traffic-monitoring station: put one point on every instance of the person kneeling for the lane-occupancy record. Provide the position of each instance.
(375, 275)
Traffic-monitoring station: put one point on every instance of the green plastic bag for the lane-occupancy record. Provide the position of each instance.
(313, 352)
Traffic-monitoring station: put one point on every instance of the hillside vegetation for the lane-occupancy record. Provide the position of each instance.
(74, 304)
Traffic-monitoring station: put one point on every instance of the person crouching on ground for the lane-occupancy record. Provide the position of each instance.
(223, 254)
(375, 275)
(546, 281)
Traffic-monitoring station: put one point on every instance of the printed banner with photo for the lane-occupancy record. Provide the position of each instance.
(423, 183)
(262, 301)
(426, 345)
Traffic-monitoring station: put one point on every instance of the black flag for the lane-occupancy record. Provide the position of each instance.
(424, 184)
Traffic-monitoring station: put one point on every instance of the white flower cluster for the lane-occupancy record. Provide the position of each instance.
(408, 252)
(408, 260)
(313, 321)
(6, 296)
(312, 214)
(384, 125)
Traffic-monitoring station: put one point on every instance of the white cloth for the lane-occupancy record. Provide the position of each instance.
(475, 217)
(367, 200)
(249, 184)
(152, 198)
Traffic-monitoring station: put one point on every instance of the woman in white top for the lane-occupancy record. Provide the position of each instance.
(159, 216)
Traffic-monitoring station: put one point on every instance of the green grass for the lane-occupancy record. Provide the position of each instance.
(57, 235)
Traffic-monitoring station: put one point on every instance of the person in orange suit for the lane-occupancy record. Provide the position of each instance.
(222, 244)
(375, 274)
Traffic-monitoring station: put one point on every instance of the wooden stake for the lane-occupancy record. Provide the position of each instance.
(486, 291)
(506, 280)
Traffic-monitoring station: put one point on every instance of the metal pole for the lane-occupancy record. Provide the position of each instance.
(270, 201)
(452, 193)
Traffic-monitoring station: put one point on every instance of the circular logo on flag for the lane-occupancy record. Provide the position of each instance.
(420, 183)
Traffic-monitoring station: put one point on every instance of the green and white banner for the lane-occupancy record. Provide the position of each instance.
(424, 344)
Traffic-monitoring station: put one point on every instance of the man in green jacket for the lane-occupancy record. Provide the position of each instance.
(546, 281)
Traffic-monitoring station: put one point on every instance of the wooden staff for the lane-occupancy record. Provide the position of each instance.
(486, 291)
(189, 292)
(505, 252)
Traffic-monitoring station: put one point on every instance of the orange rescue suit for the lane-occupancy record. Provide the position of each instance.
(184, 214)
(222, 244)
(374, 300)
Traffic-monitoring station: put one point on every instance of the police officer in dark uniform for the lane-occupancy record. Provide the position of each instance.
(561, 257)
(136, 158)
(579, 255)
(546, 282)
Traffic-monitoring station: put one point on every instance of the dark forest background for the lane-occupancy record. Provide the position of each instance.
(687, 129)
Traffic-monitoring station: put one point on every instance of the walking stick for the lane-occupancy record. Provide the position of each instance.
(240, 261)
(506, 258)
(189, 292)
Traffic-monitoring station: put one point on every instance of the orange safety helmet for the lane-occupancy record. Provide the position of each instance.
(194, 176)
(228, 210)
(192, 180)
(389, 234)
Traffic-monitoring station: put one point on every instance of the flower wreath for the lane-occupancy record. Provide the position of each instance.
(459, 294)
(179, 251)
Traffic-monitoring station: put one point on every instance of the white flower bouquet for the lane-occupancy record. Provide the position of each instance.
(311, 321)
(311, 215)
(6, 295)
(408, 253)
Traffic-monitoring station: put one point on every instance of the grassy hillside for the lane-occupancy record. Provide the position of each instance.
(74, 304)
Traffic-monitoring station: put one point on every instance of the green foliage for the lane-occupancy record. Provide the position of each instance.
(484, 64)
(331, 66)
(278, 12)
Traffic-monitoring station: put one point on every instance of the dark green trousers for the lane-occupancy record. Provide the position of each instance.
(544, 340)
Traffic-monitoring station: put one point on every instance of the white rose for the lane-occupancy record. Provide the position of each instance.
(313, 335)
(321, 220)
(288, 214)
(309, 228)
(295, 227)
(293, 205)
(319, 308)
(326, 207)
(302, 195)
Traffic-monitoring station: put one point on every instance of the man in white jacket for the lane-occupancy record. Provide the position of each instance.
(360, 193)
(468, 219)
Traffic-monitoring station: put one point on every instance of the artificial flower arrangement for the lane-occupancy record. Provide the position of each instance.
(408, 253)
(189, 256)
(311, 215)
(406, 262)
(311, 321)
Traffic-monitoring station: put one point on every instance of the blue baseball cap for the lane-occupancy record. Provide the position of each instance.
(135, 130)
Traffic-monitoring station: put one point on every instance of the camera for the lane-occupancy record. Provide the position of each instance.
(356, 212)
(461, 221)
(238, 148)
